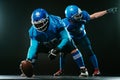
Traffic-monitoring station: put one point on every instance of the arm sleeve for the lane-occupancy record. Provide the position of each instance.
(32, 49)
(86, 15)
(33, 45)
(65, 37)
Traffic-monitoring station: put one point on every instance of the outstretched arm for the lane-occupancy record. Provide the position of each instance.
(98, 14)
(102, 13)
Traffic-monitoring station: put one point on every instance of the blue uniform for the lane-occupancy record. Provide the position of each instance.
(78, 34)
(55, 30)
(56, 35)
(77, 29)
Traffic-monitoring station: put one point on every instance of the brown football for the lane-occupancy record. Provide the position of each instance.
(27, 68)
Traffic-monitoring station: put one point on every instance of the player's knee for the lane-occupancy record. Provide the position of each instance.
(74, 51)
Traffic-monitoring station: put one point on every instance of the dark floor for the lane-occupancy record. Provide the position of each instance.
(47, 77)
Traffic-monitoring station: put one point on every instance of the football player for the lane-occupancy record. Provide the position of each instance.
(75, 23)
(48, 35)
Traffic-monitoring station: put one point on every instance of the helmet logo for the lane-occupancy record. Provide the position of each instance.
(71, 9)
(37, 14)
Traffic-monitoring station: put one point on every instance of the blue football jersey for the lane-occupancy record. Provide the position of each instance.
(77, 29)
(54, 30)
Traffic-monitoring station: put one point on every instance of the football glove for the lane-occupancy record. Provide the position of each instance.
(112, 10)
(53, 53)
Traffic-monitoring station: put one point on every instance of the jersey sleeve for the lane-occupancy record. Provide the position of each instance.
(65, 22)
(58, 22)
(31, 32)
(62, 31)
(86, 15)
(33, 45)
(32, 49)
(64, 38)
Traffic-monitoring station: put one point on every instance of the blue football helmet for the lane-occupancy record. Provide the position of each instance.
(39, 19)
(73, 12)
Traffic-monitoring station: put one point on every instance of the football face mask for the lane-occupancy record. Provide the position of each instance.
(77, 17)
(41, 25)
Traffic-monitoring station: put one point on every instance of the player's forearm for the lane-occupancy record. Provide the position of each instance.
(31, 52)
(102, 13)
(32, 49)
(98, 14)
(65, 39)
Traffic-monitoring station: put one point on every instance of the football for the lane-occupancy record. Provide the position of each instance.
(26, 68)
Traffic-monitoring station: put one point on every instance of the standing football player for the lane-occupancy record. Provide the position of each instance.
(48, 35)
(75, 23)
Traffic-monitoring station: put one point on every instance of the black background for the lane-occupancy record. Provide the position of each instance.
(15, 20)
